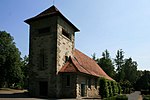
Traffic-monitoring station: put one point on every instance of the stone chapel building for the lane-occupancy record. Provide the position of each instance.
(57, 69)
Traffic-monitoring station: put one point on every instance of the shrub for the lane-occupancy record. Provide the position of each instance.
(119, 88)
(104, 91)
(110, 89)
(114, 88)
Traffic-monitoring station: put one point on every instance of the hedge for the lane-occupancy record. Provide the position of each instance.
(108, 88)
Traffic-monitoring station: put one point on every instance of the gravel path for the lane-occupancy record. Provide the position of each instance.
(135, 96)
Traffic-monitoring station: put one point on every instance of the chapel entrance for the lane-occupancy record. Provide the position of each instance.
(82, 90)
(43, 88)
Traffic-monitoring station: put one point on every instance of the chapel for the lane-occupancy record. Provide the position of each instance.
(57, 68)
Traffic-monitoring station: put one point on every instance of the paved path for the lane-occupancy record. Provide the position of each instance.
(135, 96)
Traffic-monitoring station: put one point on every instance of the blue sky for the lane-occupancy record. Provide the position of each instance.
(103, 24)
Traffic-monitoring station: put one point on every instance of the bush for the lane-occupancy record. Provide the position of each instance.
(110, 88)
(146, 97)
(103, 91)
(121, 97)
(119, 88)
(114, 88)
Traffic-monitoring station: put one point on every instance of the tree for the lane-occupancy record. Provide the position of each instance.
(10, 70)
(119, 61)
(94, 56)
(130, 70)
(25, 70)
(106, 64)
(143, 83)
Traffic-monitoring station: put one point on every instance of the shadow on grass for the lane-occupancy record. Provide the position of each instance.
(15, 95)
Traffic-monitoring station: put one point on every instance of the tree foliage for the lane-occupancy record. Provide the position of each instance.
(25, 70)
(119, 61)
(106, 63)
(126, 72)
(10, 70)
(143, 83)
(130, 70)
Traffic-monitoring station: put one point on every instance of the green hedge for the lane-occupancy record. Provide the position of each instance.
(104, 90)
(108, 88)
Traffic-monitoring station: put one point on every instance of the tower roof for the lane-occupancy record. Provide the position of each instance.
(52, 11)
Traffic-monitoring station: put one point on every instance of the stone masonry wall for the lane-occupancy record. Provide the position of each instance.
(47, 42)
(65, 47)
(68, 91)
(89, 92)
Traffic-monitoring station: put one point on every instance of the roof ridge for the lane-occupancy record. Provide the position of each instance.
(73, 64)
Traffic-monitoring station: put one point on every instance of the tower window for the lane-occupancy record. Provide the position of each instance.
(44, 30)
(42, 60)
(66, 34)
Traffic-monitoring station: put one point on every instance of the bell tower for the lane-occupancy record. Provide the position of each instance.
(51, 42)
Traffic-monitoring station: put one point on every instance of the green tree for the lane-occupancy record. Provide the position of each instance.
(119, 61)
(10, 70)
(143, 83)
(94, 56)
(106, 64)
(130, 70)
(25, 70)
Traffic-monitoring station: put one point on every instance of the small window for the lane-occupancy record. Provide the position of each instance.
(41, 59)
(44, 30)
(89, 83)
(66, 58)
(65, 34)
(68, 80)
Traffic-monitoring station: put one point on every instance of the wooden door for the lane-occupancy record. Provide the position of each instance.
(43, 87)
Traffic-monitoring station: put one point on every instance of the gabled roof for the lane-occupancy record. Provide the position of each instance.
(52, 11)
(84, 64)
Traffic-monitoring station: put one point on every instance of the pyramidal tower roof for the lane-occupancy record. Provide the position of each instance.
(52, 11)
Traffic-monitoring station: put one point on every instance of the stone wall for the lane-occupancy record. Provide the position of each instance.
(93, 91)
(47, 43)
(65, 46)
(68, 91)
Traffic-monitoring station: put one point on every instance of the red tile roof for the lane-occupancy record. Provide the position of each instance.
(52, 11)
(84, 64)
